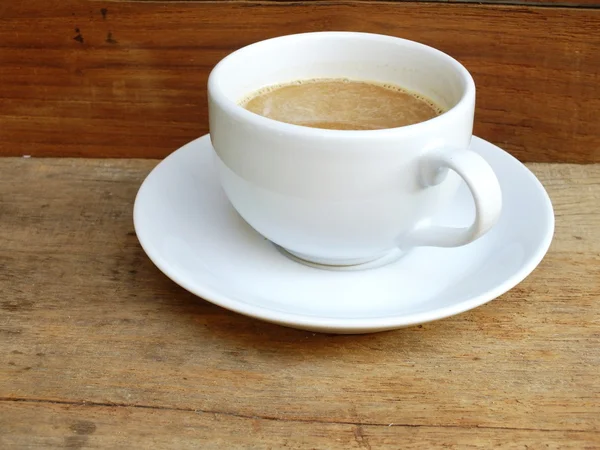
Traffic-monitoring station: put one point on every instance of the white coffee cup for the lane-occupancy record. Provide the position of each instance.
(348, 197)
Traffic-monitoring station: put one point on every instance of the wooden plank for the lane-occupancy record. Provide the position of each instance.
(565, 3)
(554, 3)
(86, 318)
(131, 81)
(49, 425)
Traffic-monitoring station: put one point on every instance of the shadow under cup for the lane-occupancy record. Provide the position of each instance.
(329, 196)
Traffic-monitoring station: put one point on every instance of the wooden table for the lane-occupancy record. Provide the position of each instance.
(100, 350)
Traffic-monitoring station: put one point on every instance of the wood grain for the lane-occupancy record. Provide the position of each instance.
(127, 79)
(564, 3)
(48, 425)
(98, 348)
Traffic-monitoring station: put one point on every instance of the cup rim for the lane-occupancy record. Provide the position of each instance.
(235, 109)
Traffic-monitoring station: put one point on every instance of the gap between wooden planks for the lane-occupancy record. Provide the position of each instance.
(127, 79)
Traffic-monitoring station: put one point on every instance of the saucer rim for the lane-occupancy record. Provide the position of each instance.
(336, 324)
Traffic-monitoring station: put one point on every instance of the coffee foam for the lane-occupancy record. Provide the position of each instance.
(341, 103)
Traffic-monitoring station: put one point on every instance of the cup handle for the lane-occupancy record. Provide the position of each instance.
(484, 187)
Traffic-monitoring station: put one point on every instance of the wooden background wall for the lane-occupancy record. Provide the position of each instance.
(127, 78)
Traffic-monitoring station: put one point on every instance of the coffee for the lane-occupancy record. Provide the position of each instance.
(341, 104)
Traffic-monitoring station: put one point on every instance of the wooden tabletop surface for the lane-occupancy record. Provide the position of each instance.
(100, 350)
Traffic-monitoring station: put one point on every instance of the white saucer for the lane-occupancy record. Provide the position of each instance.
(190, 231)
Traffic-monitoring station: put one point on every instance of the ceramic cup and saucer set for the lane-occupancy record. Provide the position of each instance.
(343, 231)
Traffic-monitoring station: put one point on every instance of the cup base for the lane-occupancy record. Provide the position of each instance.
(344, 265)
